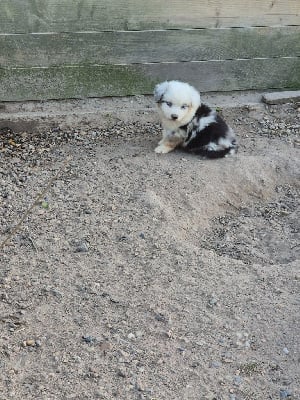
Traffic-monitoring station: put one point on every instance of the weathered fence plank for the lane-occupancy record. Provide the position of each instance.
(148, 46)
(60, 49)
(110, 80)
(19, 16)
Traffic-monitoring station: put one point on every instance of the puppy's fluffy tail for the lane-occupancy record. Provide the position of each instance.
(213, 154)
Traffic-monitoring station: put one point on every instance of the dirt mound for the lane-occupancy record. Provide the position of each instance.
(138, 276)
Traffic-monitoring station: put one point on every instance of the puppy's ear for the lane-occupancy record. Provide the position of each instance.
(159, 91)
(195, 97)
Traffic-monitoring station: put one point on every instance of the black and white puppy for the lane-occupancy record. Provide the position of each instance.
(188, 123)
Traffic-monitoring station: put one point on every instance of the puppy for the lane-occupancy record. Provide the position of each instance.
(188, 123)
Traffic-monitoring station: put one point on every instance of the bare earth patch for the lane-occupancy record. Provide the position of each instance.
(145, 276)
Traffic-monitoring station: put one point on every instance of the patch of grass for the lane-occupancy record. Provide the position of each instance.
(251, 368)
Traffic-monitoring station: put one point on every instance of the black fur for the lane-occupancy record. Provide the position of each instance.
(210, 134)
(203, 111)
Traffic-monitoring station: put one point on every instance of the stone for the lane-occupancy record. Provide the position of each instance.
(30, 342)
(82, 247)
(285, 394)
(215, 364)
(131, 336)
(285, 350)
(89, 339)
(281, 97)
(237, 380)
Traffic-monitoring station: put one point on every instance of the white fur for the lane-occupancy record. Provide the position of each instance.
(205, 121)
(178, 99)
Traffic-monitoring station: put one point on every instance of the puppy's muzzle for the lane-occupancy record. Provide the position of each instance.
(174, 117)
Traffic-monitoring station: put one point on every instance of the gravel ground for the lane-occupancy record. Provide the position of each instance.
(130, 275)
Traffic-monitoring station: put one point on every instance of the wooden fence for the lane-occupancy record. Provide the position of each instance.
(53, 49)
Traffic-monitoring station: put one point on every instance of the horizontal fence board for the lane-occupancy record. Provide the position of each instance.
(20, 16)
(112, 80)
(148, 46)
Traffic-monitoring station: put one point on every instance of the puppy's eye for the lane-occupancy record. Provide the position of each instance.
(184, 106)
(168, 103)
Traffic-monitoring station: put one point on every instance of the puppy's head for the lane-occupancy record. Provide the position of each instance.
(177, 102)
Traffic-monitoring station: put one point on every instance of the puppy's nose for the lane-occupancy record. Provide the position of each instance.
(174, 116)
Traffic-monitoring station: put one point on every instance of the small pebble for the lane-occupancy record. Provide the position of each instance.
(160, 317)
(212, 302)
(131, 336)
(215, 364)
(237, 380)
(285, 394)
(30, 342)
(89, 339)
(285, 350)
(82, 247)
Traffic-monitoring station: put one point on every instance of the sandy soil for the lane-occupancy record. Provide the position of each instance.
(142, 276)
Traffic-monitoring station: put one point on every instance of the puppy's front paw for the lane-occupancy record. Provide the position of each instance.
(162, 149)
